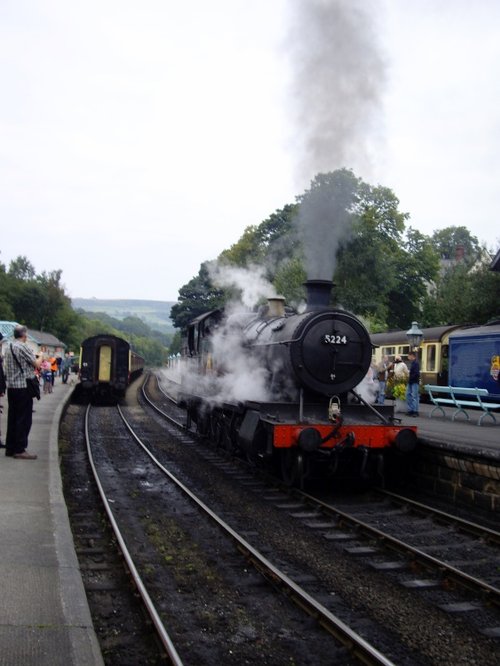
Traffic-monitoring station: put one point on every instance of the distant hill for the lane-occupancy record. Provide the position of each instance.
(155, 314)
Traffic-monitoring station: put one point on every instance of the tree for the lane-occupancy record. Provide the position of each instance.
(272, 241)
(6, 310)
(467, 297)
(199, 295)
(416, 267)
(289, 279)
(22, 269)
(245, 251)
(447, 243)
(374, 271)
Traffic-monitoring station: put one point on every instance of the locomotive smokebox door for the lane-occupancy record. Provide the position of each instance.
(331, 352)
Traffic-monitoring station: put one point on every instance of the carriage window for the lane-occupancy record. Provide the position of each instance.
(388, 351)
(431, 358)
(404, 350)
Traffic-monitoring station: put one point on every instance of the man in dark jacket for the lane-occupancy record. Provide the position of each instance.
(413, 388)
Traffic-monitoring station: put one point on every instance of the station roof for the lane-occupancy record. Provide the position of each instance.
(39, 337)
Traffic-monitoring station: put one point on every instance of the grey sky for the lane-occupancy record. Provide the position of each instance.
(139, 139)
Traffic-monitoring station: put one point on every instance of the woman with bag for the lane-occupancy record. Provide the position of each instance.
(20, 365)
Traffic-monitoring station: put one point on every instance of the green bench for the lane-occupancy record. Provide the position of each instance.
(452, 397)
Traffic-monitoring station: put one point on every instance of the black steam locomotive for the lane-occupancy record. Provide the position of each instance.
(107, 366)
(312, 419)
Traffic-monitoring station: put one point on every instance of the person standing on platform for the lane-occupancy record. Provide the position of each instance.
(20, 363)
(382, 372)
(46, 373)
(413, 388)
(3, 388)
(54, 368)
(400, 370)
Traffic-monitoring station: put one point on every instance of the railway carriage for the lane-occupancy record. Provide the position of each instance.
(475, 359)
(433, 352)
(107, 366)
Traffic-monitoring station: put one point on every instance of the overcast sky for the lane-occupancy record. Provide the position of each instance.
(138, 139)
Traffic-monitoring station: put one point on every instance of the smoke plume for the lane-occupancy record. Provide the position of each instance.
(324, 221)
(336, 90)
(338, 76)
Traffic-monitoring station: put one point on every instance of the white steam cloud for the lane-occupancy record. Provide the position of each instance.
(251, 283)
(234, 373)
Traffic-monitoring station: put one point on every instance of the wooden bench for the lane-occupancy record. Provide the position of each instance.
(451, 396)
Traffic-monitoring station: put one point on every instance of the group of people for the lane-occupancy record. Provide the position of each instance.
(402, 374)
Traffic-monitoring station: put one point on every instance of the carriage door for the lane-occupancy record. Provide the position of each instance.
(104, 363)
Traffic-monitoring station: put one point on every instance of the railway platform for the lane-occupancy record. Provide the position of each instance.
(459, 435)
(44, 615)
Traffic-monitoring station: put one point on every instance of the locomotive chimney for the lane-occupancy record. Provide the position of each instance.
(318, 294)
(276, 306)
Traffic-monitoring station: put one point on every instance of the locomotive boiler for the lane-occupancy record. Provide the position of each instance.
(312, 420)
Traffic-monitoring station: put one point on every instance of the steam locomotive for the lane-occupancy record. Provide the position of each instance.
(107, 366)
(312, 420)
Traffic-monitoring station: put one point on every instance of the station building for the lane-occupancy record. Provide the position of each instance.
(39, 341)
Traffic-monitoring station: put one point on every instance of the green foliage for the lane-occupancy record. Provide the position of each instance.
(446, 241)
(152, 345)
(465, 296)
(175, 345)
(199, 295)
(40, 302)
(247, 250)
(399, 391)
(274, 240)
(22, 269)
(386, 273)
(289, 279)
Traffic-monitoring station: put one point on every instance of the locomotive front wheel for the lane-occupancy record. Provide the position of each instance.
(293, 466)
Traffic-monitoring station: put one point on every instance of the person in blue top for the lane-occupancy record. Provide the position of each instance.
(413, 388)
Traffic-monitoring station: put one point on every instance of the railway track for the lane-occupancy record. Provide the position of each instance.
(377, 521)
(456, 560)
(358, 649)
(459, 545)
(149, 606)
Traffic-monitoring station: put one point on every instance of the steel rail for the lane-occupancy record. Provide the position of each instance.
(461, 523)
(470, 582)
(157, 409)
(150, 607)
(357, 645)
